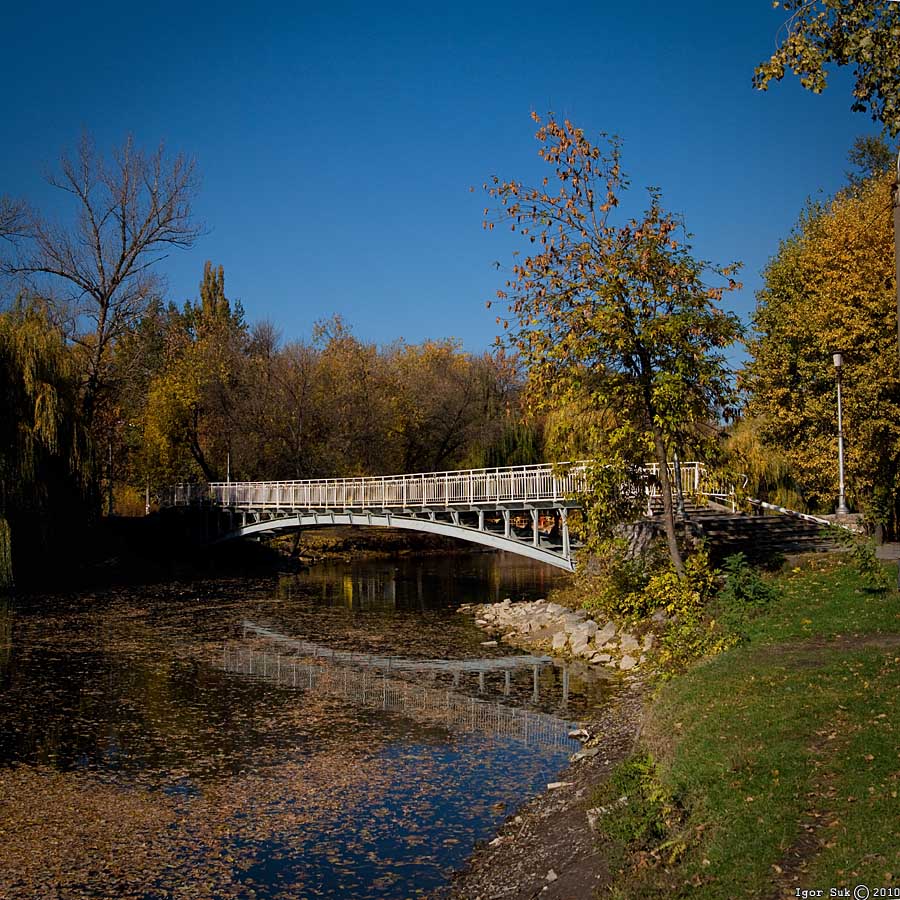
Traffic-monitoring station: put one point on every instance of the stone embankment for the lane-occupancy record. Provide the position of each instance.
(555, 629)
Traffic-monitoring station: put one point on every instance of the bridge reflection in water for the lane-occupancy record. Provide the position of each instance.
(384, 683)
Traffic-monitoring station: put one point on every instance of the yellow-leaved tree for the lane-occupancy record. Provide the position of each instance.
(831, 288)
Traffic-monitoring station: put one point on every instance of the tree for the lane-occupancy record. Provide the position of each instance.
(861, 33)
(829, 288)
(97, 276)
(189, 417)
(870, 157)
(43, 444)
(617, 318)
(13, 216)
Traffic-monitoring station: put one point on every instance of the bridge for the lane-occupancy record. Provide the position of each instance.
(519, 509)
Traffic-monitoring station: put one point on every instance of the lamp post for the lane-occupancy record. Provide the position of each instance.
(842, 509)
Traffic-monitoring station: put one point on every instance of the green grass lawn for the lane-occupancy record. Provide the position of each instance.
(784, 753)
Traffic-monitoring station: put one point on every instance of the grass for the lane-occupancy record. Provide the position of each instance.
(783, 754)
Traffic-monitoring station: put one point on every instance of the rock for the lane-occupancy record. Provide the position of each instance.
(593, 816)
(558, 784)
(542, 635)
(581, 648)
(496, 842)
(579, 734)
(488, 643)
(627, 662)
(560, 639)
(588, 753)
(601, 657)
(648, 642)
(584, 632)
(551, 876)
(606, 633)
(628, 642)
(660, 616)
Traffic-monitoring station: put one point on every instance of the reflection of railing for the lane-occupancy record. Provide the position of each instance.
(373, 689)
(372, 661)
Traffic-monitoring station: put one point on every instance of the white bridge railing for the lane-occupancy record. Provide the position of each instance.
(546, 484)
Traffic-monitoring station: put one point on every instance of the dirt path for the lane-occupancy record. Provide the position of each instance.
(546, 848)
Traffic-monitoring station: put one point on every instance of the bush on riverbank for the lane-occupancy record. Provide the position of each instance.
(782, 751)
(700, 615)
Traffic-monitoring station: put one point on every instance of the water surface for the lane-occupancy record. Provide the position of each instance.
(184, 741)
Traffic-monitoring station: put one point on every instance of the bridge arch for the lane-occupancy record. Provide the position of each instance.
(454, 530)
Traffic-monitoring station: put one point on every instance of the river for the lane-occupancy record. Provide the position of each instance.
(342, 733)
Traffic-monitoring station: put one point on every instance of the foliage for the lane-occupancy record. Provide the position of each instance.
(767, 469)
(616, 319)
(615, 580)
(830, 287)
(743, 585)
(862, 554)
(637, 812)
(44, 458)
(864, 34)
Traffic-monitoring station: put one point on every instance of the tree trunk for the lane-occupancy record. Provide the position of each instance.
(665, 487)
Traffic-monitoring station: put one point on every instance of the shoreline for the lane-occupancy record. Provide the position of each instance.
(547, 847)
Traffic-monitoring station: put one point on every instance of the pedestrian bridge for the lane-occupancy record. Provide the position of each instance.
(520, 509)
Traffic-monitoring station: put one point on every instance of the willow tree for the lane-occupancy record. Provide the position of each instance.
(43, 446)
(615, 318)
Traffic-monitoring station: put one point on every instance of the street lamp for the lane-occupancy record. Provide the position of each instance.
(842, 509)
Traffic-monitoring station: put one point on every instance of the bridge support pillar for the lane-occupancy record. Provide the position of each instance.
(481, 520)
(535, 534)
(507, 526)
(564, 527)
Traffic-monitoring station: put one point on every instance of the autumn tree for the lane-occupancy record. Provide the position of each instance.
(830, 287)
(616, 317)
(98, 275)
(188, 421)
(864, 34)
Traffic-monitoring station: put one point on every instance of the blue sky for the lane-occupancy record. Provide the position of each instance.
(337, 142)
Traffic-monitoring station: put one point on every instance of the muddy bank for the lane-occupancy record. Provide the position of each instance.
(547, 848)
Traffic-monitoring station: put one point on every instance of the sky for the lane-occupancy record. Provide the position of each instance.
(337, 142)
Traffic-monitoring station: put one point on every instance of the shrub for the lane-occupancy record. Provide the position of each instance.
(637, 813)
(862, 554)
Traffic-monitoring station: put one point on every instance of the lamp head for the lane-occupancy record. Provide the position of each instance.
(838, 360)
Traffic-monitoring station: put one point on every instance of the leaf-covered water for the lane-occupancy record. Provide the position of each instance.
(135, 761)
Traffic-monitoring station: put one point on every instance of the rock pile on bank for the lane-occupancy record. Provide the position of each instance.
(549, 627)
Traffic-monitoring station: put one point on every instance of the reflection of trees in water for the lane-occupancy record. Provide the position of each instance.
(429, 582)
(6, 623)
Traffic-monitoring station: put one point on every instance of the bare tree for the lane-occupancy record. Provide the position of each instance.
(13, 219)
(97, 274)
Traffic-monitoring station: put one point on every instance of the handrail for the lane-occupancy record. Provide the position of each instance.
(543, 482)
